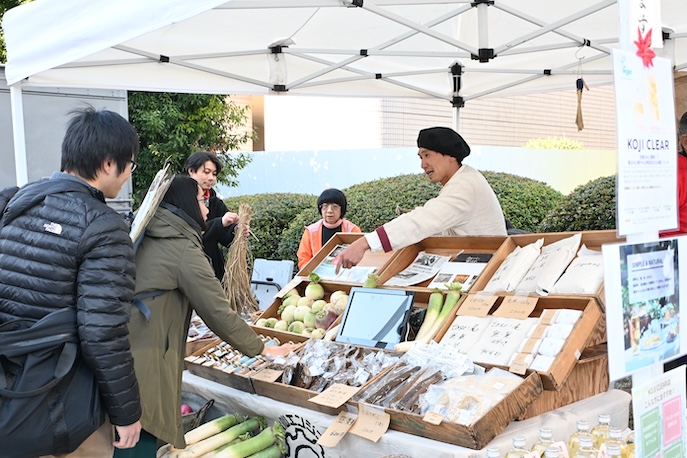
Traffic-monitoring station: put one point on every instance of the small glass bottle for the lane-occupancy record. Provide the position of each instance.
(586, 449)
(615, 437)
(518, 450)
(600, 431)
(630, 440)
(493, 452)
(545, 441)
(613, 450)
(552, 452)
(583, 430)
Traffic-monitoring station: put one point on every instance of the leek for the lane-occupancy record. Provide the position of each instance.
(212, 427)
(264, 440)
(273, 451)
(436, 300)
(211, 443)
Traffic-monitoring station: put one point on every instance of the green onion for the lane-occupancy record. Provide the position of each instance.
(212, 427)
(273, 451)
(436, 300)
(214, 453)
(268, 437)
(211, 443)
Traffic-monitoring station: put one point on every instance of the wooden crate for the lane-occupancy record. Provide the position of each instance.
(478, 435)
(589, 377)
(444, 246)
(378, 259)
(300, 396)
(195, 345)
(229, 379)
(592, 239)
(589, 330)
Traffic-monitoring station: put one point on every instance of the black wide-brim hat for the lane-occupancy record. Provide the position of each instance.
(445, 141)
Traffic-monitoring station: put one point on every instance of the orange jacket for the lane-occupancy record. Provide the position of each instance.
(311, 242)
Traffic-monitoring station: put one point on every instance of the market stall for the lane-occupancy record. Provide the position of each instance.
(543, 343)
(306, 425)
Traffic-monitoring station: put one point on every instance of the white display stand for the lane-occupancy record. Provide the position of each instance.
(562, 422)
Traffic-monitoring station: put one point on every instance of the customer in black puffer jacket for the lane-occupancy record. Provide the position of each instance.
(62, 246)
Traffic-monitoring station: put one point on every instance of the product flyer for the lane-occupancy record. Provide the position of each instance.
(647, 159)
(644, 304)
(659, 416)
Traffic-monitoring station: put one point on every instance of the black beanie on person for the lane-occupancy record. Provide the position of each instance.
(332, 196)
(445, 141)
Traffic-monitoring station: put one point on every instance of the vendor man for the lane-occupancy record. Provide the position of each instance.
(466, 204)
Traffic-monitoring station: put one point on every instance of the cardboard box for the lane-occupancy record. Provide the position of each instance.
(589, 377)
(592, 239)
(479, 434)
(444, 246)
(379, 259)
(586, 332)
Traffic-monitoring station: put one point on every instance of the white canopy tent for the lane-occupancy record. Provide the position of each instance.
(456, 50)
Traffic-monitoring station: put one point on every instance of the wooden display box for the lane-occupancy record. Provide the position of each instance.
(588, 330)
(300, 396)
(589, 377)
(195, 345)
(592, 239)
(379, 259)
(273, 309)
(445, 246)
(229, 379)
(479, 434)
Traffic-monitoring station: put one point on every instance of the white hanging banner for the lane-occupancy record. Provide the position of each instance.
(647, 162)
(640, 18)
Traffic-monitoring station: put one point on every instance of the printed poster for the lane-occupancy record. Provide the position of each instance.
(647, 142)
(659, 416)
(644, 304)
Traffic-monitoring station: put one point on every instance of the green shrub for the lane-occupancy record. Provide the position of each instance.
(279, 219)
(553, 143)
(525, 202)
(291, 236)
(272, 213)
(588, 207)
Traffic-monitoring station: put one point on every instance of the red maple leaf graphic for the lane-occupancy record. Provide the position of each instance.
(644, 48)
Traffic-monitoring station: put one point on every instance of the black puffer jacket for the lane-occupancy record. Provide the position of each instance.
(61, 246)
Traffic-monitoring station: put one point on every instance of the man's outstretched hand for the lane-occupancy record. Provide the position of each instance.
(352, 255)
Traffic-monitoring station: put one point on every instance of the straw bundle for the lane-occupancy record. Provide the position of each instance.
(237, 269)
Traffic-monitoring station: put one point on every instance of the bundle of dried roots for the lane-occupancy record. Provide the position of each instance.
(238, 268)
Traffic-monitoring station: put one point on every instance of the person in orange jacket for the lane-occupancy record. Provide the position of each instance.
(332, 206)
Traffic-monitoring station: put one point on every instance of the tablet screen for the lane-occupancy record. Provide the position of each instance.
(375, 317)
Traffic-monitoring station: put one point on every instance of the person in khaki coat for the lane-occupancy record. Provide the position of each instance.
(171, 261)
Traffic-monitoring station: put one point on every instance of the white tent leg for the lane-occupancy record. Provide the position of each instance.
(456, 113)
(20, 162)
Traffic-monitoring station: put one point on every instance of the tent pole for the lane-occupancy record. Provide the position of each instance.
(20, 162)
(456, 113)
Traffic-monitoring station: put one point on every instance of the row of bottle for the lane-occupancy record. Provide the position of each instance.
(584, 443)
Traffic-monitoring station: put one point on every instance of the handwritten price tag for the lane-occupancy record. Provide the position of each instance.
(372, 422)
(337, 430)
(335, 396)
(478, 305)
(518, 307)
(433, 418)
(518, 367)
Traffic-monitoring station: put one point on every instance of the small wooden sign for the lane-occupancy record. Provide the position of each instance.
(476, 305)
(338, 429)
(335, 396)
(518, 307)
(433, 418)
(372, 422)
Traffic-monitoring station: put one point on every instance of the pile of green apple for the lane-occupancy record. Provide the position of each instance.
(309, 315)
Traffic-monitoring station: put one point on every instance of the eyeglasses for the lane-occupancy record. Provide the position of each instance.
(133, 165)
(332, 206)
